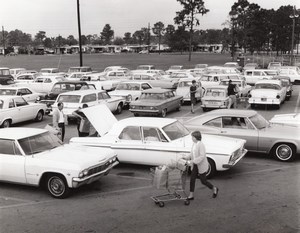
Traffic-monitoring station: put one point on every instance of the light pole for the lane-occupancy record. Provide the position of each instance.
(293, 17)
(79, 33)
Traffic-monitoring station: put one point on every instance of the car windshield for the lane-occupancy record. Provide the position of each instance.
(143, 68)
(215, 93)
(62, 87)
(267, 86)
(4, 72)
(259, 121)
(152, 96)
(185, 84)
(8, 92)
(128, 86)
(39, 143)
(175, 130)
(69, 98)
(74, 69)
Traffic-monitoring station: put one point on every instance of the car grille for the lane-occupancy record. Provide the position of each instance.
(99, 168)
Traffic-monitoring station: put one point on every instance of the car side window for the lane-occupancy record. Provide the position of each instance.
(214, 123)
(11, 104)
(150, 134)
(9, 147)
(145, 86)
(20, 102)
(47, 80)
(131, 133)
(236, 123)
(89, 98)
(105, 95)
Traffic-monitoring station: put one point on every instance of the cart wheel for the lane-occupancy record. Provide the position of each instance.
(186, 202)
(161, 204)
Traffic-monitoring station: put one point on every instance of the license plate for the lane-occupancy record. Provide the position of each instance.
(214, 103)
(263, 99)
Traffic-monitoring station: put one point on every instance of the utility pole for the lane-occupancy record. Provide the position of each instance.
(3, 41)
(79, 33)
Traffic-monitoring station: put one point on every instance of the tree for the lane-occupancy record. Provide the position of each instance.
(158, 30)
(170, 30)
(179, 40)
(187, 17)
(47, 42)
(84, 40)
(71, 40)
(39, 37)
(127, 38)
(118, 41)
(107, 34)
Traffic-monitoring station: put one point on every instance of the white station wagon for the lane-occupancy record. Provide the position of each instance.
(156, 141)
(74, 99)
(267, 92)
(36, 157)
(15, 109)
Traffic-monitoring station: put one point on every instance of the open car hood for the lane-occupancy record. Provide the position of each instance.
(100, 117)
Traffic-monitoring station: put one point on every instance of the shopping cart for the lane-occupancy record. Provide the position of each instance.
(171, 179)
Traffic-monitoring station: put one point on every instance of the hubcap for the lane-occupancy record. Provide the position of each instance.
(56, 186)
(284, 152)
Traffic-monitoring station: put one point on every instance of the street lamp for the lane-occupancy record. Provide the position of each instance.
(293, 17)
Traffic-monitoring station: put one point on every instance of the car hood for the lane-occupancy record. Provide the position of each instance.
(78, 155)
(226, 145)
(99, 114)
(287, 119)
(146, 102)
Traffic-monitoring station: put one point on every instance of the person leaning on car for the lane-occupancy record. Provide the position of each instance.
(83, 124)
(232, 91)
(60, 119)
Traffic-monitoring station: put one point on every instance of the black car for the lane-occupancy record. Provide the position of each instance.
(5, 77)
(61, 87)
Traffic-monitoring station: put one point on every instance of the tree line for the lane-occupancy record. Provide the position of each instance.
(248, 27)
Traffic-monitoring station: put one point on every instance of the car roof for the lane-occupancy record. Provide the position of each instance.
(230, 112)
(15, 133)
(71, 82)
(156, 90)
(146, 121)
(275, 81)
(82, 92)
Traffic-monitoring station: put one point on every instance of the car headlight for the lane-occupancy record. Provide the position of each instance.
(133, 107)
(278, 96)
(83, 173)
(38, 98)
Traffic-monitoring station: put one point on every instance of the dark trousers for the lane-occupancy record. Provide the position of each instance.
(202, 178)
(62, 127)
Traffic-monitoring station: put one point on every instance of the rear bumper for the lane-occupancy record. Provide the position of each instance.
(267, 101)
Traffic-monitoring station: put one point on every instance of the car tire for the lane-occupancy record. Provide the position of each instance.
(163, 112)
(6, 124)
(39, 116)
(179, 107)
(284, 152)
(119, 108)
(252, 106)
(57, 186)
(136, 114)
(211, 168)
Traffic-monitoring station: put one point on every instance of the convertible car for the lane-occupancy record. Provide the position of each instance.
(281, 141)
(156, 141)
(36, 157)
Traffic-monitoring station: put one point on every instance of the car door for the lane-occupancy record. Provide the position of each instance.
(12, 162)
(240, 127)
(27, 111)
(172, 99)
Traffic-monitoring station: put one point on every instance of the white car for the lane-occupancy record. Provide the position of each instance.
(215, 97)
(43, 84)
(76, 76)
(208, 80)
(15, 71)
(79, 69)
(183, 89)
(130, 90)
(15, 109)
(221, 70)
(74, 99)
(26, 78)
(293, 72)
(254, 75)
(174, 68)
(267, 92)
(36, 157)
(287, 119)
(244, 89)
(156, 141)
(28, 94)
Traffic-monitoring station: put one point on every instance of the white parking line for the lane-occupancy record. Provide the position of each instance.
(14, 199)
(265, 170)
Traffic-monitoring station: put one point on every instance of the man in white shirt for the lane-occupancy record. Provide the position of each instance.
(59, 119)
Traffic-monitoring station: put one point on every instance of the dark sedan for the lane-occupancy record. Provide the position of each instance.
(157, 102)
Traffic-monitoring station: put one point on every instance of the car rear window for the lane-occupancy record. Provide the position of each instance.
(69, 98)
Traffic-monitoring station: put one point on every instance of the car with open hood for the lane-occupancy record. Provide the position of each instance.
(156, 141)
(36, 157)
(267, 92)
(156, 101)
(278, 140)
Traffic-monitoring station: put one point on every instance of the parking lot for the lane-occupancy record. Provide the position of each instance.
(260, 194)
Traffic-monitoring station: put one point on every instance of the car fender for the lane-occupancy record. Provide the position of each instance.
(290, 141)
(7, 118)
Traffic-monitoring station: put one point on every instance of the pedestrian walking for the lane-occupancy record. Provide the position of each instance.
(83, 124)
(193, 90)
(199, 165)
(60, 119)
(232, 90)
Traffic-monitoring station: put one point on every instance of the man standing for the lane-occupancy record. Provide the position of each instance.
(193, 90)
(59, 119)
(232, 91)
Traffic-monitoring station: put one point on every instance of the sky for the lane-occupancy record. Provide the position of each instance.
(59, 17)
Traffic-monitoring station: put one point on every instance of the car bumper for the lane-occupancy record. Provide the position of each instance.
(154, 111)
(233, 161)
(213, 106)
(262, 101)
(77, 182)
